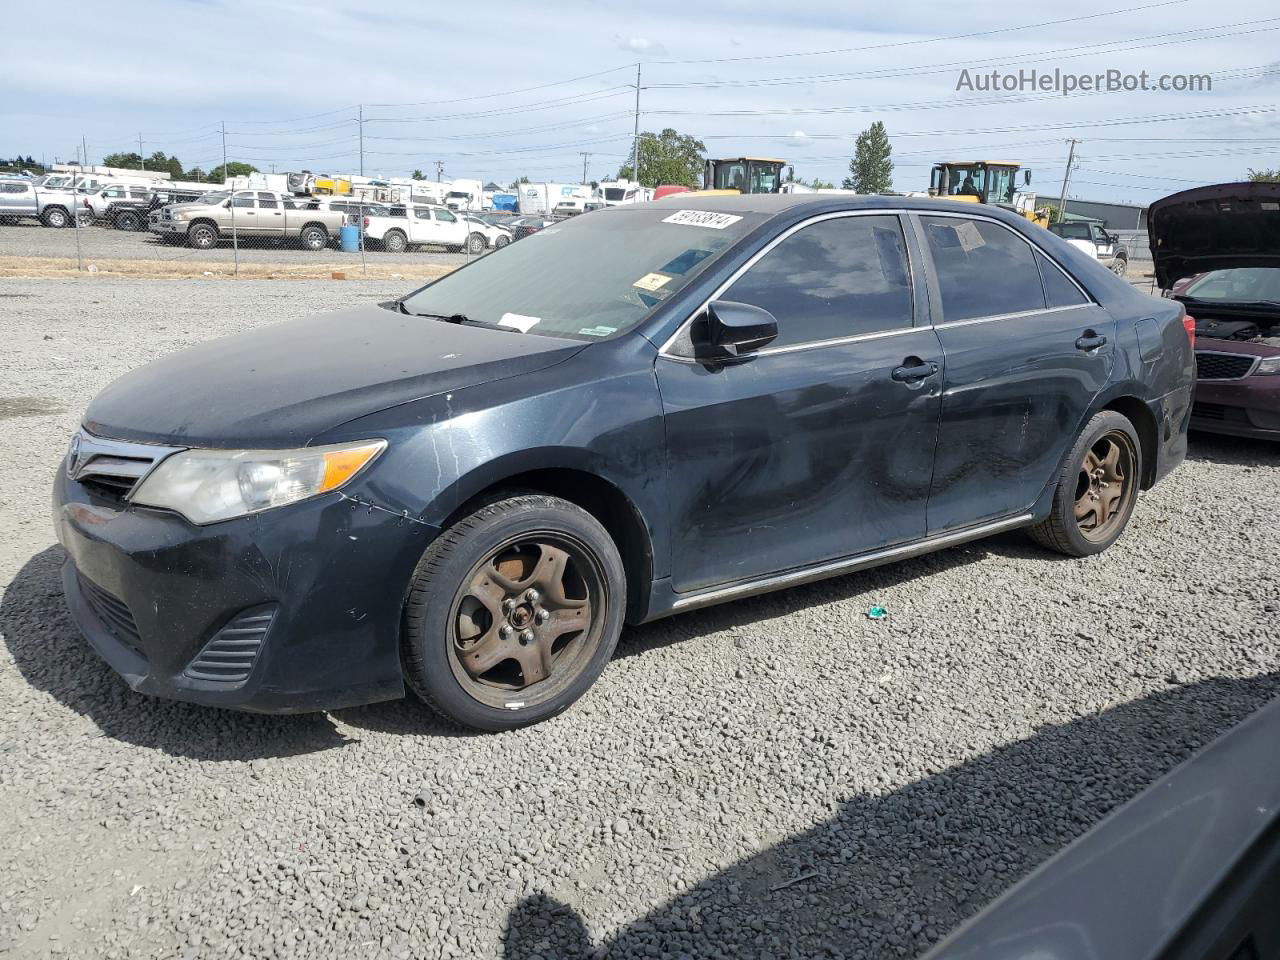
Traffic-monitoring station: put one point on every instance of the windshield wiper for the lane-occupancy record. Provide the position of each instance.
(459, 318)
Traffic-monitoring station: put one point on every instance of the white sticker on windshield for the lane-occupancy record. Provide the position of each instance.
(600, 330)
(518, 321)
(652, 281)
(702, 218)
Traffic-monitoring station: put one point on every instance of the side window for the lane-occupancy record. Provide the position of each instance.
(267, 201)
(115, 193)
(139, 193)
(1058, 290)
(243, 200)
(444, 216)
(12, 188)
(984, 269)
(422, 213)
(835, 278)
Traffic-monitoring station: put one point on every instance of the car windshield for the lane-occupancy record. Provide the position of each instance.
(586, 278)
(1240, 284)
(212, 198)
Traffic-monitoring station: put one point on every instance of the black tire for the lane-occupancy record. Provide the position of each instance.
(1064, 530)
(202, 236)
(433, 645)
(395, 242)
(501, 242)
(128, 220)
(314, 237)
(1120, 266)
(476, 244)
(56, 217)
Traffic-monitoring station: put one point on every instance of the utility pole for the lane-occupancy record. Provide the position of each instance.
(85, 147)
(585, 155)
(360, 121)
(235, 239)
(1066, 179)
(75, 216)
(142, 159)
(635, 139)
(439, 169)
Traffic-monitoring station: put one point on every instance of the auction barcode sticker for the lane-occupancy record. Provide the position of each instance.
(702, 218)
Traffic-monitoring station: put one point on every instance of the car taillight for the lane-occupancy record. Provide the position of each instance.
(366, 223)
(1189, 325)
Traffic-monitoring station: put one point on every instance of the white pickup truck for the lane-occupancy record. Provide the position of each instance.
(417, 226)
(249, 214)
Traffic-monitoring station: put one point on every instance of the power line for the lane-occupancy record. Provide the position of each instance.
(511, 93)
(920, 42)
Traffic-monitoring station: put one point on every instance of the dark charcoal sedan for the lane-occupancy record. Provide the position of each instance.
(648, 410)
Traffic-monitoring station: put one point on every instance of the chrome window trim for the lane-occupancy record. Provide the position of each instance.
(762, 252)
(1035, 247)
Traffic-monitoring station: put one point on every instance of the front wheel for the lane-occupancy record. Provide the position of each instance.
(128, 220)
(56, 217)
(513, 612)
(1120, 266)
(501, 242)
(395, 242)
(1097, 489)
(202, 236)
(476, 243)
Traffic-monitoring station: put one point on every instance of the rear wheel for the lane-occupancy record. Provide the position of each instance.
(501, 242)
(1097, 489)
(1120, 266)
(395, 242)
(314, 237)
(476, 243)
(513, 613)
(56, 217)
(202, 236)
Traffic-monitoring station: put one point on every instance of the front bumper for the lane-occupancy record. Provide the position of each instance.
(1247, 407)
(168, 226)
(326, 577)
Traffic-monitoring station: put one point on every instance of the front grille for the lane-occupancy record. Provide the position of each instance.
(112, 468)
(230, 655)
(1223, 366)
(114, 614)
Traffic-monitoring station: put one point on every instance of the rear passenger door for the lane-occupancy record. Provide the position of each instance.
(819, 445)
(1026, 353)
(270, 215)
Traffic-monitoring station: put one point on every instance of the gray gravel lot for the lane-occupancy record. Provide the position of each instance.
(30, 239)
(908, 769)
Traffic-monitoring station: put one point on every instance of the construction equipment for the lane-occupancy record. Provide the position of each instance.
(743, 175)
(987, 181)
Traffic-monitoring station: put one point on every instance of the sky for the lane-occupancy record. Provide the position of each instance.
(498, 90)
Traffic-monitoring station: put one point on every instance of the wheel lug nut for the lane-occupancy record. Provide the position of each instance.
(526, 636)
(543, 616)
(504, 632)
(508, 605)
(531, 596)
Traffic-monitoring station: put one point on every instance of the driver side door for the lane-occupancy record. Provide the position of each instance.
(820, 444)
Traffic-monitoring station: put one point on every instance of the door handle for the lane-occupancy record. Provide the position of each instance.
(1090, 341)
(913, 369)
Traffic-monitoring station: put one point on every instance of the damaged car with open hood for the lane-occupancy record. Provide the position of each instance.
(468, 491)
(1217, 251)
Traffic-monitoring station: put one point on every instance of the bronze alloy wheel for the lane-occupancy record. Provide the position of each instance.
(527, 619)
(1105, 485)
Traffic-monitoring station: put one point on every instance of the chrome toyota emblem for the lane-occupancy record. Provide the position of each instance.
(73, 456)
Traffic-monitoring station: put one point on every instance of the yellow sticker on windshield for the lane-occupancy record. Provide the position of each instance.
(652, 281)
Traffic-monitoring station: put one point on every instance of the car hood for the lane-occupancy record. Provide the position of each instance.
(1214, 228)
(281, 385)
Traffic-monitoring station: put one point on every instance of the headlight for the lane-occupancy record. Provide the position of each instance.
(1268, 367)
(179, 216)
(210, 485)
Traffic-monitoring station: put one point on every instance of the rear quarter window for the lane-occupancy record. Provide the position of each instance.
(983, 269)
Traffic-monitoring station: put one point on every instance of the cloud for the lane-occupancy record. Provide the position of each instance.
(642, 45)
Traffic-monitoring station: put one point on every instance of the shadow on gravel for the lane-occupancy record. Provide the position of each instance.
(890, 875)
(1233, 451)
(51, 654)
(866, 586)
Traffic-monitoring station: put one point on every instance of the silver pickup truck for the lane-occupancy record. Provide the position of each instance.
(249, 215)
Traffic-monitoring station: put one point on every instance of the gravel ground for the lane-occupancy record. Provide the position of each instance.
(30, 239)
(904, 771)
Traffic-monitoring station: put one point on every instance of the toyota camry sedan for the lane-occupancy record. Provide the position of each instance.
(467, 492)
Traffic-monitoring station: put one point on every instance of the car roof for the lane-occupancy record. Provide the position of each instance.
(776, 204)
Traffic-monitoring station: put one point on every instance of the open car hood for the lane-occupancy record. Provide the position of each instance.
(1214, 228)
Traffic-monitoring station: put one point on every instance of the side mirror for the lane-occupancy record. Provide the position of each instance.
(739, 328)
(226, 204)
(1026, 177)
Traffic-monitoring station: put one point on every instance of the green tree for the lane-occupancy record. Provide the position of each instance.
(872, 163)
(516, 183)
(1264, 176)
(234, 169)
(125, 161)
(195, 173)
(668, 157)
(417, 175)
